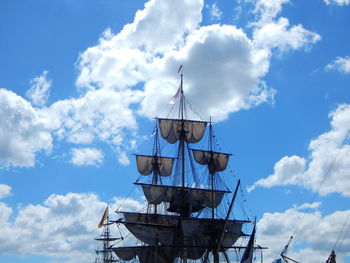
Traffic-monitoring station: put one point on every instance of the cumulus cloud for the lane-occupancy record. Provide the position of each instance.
(279, 34)
(24, 131)
(337, 2)
(288, 170)
(273, 32)
(86, 157)
(133, 73)
(268, 9)
(62, 227)
(229, 81)
(215, 11)
(342, 64)
(40, 89)
(329, 160)
(5, 190)
(275, 229)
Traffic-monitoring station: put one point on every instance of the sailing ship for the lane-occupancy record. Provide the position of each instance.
(105, 254)
(186, 219)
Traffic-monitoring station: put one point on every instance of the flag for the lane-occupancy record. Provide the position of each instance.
(173, 99)
(179, 69)
(104, 217)
(277, 261)
(154, 132)
(248, 252)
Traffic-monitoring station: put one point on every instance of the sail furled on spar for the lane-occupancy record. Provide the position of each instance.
(197, 198)
(216, 161)
(148, 164)
(171, 130)
(197, 235)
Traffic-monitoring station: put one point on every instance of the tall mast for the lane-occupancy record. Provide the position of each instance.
(155, 153)
(106, 238)
(212, 175)
(183, 132)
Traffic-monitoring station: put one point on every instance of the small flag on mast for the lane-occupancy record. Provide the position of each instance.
(179, 69)
(174, 98)
(104, 217)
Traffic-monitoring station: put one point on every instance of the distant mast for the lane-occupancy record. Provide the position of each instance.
(105, 238)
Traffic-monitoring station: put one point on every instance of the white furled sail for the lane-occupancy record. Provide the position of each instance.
(147, 164)
(145, 254)
(216, 161)
(199, 228)
(197, 198)
(152, 234)
(197, 232)
(171, 129)
(125, 253)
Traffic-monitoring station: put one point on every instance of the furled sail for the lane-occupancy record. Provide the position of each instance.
(171, 129)
(148, 254)
(216, 161)
(144, 218)
(208, 230)
(196, 232)
(146, 164)
(125, 253)
(179, 196)
(152, 234)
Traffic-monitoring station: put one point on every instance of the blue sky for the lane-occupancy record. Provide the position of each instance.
(80, 82)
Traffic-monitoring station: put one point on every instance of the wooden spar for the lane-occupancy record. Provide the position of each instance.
(227, 216)
(288, 258)
(284, 257)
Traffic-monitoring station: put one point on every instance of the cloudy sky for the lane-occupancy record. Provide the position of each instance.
(81, 80)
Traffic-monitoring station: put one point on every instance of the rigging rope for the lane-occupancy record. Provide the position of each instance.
(344, 234)
(316, 194)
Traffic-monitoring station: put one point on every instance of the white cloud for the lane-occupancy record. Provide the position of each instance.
(275, 229)
(98, 114)
(271, 32)
(278, 34)
(24, 131)
(337, 2)
(86, 156)
(341, 64)
(40, 89)
(268, 9)
(132, 73)
(328, 159)
(215, 11)
(223, 74)
(63, 227)
(5, 190)
(288, 170)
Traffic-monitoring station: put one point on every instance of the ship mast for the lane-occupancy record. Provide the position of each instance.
(183, 132)
(212, 175)
(105, 238)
